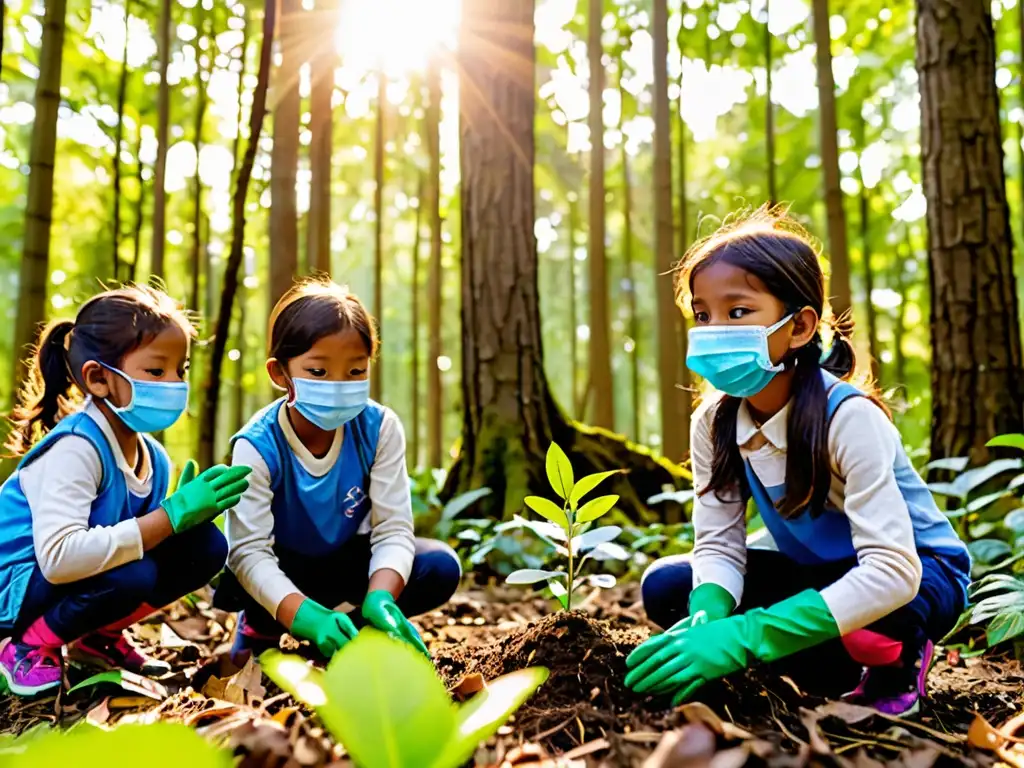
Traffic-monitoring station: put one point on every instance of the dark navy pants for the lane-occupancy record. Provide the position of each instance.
(772, 577)
(179, 565)
(343, 577)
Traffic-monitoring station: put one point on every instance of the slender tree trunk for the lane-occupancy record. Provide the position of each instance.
(865, 249)
(839, 257)
(435, 422)
(599, 354)
(977, 382)
(899, 332)
(163, 120)
(197, 185)
(122, 92)
(238, 404)
(669, 329)
(574, 224)
(35, 259)
(685, 382)
(414, 442)
(627, 258)
(1020, 119)
(208, 422)
(509, 414)
(769, 108)
(139, 210)
(377, 379)
(284, 163)
(321, 126)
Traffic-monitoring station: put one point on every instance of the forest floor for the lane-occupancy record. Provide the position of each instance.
(581, 717)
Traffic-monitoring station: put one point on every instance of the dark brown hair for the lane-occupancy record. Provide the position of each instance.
(771, 246)
(109, 326)
(312, 309)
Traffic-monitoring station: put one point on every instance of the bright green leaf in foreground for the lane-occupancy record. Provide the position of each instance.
(548, 510)
(586, 485)
(596, 508)
(559, 471)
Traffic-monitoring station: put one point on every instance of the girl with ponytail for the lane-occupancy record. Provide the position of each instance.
(859, 573)
(90, 540)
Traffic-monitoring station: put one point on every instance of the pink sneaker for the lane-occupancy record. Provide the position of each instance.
(895, 691)
(29, 670)
(112, 651)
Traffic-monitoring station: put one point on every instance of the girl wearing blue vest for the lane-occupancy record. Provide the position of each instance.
(860, 565)
(327, 519)
(89, 540)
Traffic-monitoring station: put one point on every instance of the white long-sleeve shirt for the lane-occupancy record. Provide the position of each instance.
(250, 525)
(862, 445)
(61, 486)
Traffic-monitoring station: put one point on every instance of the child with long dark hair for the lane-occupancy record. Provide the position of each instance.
(89, 540)
(327, 519)
(864, 567)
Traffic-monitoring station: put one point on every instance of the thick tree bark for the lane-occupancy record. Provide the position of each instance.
(414, 438)
(669, 325)
(211, 398)
(377, 379)
(35, 259)
(435, 421)
(284, 163)
(839, 257)
(510, 416)
(769, 108)
(122, 92)
(599, 362)
(163, 121)
(321, 126)
(977, 382)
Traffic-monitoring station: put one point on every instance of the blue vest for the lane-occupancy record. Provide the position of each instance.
(314, 516)
(113, 504)
(827, 537)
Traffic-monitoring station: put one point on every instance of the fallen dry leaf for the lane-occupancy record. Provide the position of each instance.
(691, 746)
(243, 687)
(696, 712)
(99, 714)
(983, 735)
(468, 685)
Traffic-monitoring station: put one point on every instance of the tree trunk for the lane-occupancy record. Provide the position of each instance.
(208, 422)
(197, 185)
(839, 257)
(865, 254)
(769, 109)
(574, 378)
(672, 443)
(599, 353)
(122, 92)
(899, 356)
(139, 210)
(377, 379)
(238, 404)
(35, 260)
(321, 126)
(284, 163)
(977, 384)
(163, 120)
(685, 381)
(510, 416)
(435, 409)
(1020, 105)
(414, 441)
(627, 258)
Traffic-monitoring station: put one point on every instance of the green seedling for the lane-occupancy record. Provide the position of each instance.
(383, 701)
(567, 525)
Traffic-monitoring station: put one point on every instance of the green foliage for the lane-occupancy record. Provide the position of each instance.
(384, 702)
(444, 521)
(568, 525)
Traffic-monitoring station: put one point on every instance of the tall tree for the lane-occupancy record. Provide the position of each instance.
(202, 83)
(977, 381)
(865, 255)
(163, 120)
(839, 257)
(321, 127)
(432, 126)
(509, 414)
(575, 402)
(414, 438)
(683, 228)
(769, 108)
(627, 258)
(140, 206)
(284, 162)
(599, 354)
(35, 259)
(669, 326)
(377, 380)
(122, 93)
(211, 392)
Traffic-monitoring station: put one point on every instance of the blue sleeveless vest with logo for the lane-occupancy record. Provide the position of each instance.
(114, 503)
(315, 515)
(827, 537)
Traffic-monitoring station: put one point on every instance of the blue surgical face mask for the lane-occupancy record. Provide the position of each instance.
(733, 358)
(154, 405)
(330, 404)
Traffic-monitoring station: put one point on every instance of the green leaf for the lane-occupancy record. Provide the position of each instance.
(548, 510)
(559, 471)
(586, 485)
(462, 502)
(986, 551)
(1005, 626)
(954, 463)
(1006, 441)
(591, 539)
(110, 676)
(480, 717)
(1015, 521)
(532, 576)
(595, 508)
(679, 497)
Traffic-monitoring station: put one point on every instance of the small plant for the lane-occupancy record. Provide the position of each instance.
(568, 525)
(383, 701)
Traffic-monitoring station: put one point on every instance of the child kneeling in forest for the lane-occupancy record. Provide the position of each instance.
(327, 518)
(866, 573)
(88, 542)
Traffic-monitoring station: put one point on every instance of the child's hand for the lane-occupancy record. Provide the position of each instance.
(380, 610)
(328, 630)
(200, 499)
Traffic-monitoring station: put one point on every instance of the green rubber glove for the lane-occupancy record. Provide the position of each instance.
(380, 610)
(708, 602)
(709, 651)
(200, 499)
(328, 630)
